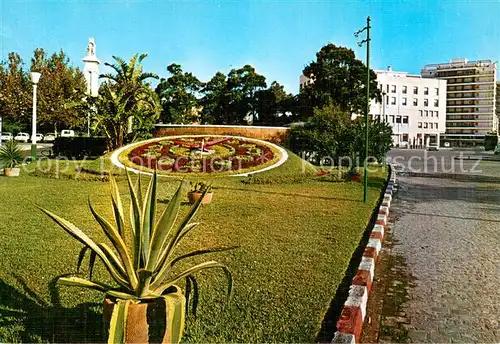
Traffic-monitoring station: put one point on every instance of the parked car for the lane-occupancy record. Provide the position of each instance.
(38, 137)
(22, 137)
(67, 133)
(6, 136)
(49, 138)
(433, 147)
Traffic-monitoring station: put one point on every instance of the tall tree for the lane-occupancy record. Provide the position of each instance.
(231, 99)
(331, 135)
(15, 90)
(338, 78)
(179, 96)
(242, 84)
(215, 100)
(273, 105)
(60, 85)
(126, 106)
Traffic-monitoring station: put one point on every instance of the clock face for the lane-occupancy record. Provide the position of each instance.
(201, 154)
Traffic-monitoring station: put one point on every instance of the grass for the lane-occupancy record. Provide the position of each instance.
(296, 241)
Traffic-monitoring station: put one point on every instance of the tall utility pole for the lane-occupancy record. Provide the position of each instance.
(367, 41)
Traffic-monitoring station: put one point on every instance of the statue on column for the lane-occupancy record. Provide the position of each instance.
(91, 47)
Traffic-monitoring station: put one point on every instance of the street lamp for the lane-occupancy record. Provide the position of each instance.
(35, 77)
(367, 41)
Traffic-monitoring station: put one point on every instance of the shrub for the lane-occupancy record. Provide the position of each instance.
(490, 141)
(79, 147)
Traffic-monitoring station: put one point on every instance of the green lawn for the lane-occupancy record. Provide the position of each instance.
(296, 241)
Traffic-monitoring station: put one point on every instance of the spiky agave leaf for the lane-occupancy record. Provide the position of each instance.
(135, 222)
(117, 206)
(119, 244)
(164, 227)
(159, 288)
(161, 268)
(148, 216)
(76, 233)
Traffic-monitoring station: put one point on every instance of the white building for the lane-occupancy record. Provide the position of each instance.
(471, 92)
(304, 80)
(91, 69)
(415, 107)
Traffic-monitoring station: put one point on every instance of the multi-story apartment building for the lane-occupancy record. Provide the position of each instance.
(498, 105)
(413, 106)
(470, 105)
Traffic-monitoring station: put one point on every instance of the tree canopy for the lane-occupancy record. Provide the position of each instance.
(337, 78)
(179, 96)
(330, 136)
(127, 106)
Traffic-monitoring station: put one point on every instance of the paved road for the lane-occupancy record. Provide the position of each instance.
(27, 146)
(445, 162)
(439, 277)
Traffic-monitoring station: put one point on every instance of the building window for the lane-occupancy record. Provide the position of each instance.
(426, 125)
(437, 113)
(388, 88)
(393, 100)
(405, 119)
(426, 90)
(436, 102)
(437, 91)
(430, 125)
(415, 102)
(436, 125)
(403, 101)
(415, 89)
(393, 89)
(431, 113)
(426, 113)
(387, 98)
(398, 119)
(426, 102)
(404, 89)
(421, 113)
(420, 124)
(391, 119)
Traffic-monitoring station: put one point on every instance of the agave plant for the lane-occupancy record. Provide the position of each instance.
(10, 154)
(145, 271)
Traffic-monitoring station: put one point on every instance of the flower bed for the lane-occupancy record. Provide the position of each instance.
(200, 154)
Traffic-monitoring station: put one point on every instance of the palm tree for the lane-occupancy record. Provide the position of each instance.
(126, 101)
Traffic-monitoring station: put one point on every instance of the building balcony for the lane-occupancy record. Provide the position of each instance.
(470, 98)
(471, 105)
(470, 113)
(474, 90)
(467, 120)
(471, 83)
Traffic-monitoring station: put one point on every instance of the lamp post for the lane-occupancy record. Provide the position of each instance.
(90, 95)
(35, 77)
(367, 41)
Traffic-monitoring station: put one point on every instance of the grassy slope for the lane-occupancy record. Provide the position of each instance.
(296, 241)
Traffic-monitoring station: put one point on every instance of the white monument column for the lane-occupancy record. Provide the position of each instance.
(91, 69)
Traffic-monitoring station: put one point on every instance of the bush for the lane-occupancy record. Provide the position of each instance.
(292, 178)
(331, 134)
(490, 141)
(79, 147)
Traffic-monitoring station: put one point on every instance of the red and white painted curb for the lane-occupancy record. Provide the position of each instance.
(350, 324)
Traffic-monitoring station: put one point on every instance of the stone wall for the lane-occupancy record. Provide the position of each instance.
(278, 135)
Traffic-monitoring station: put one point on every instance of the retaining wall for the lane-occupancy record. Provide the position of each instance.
(277, 135)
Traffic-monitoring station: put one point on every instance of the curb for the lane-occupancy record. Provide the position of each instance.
(350, 324)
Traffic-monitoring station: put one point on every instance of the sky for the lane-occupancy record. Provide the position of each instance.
(278, 38)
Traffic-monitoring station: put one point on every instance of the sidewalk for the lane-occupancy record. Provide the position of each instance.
(438, 276)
